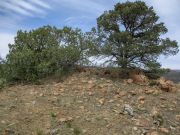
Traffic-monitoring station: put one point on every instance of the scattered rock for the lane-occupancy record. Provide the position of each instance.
(33, 102)
(178, 118)
(111, 101)
(164, 130)
(41, 94)
(100, 86)
(138, 77)
(90, 82)
(166, 85)
(121, 94)
(135, 128)
(133, 93)
(56, 94)
(3, 122)
(61, 120)
(149, 91)
(101, 101)
(128, 81)
(127, 109)
(81, 107)
(153, 133)
(90, 93)
(84, 131)
(141, 99)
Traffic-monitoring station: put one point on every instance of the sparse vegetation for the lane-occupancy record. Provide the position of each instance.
(123, 97)
(2, 83)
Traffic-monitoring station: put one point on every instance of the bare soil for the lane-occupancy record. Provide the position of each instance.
(86, 104)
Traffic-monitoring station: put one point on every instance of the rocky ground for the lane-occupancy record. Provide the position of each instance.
(85, 104)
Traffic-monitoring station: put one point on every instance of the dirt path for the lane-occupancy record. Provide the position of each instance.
(88, 105)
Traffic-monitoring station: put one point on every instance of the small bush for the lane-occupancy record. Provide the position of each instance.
(2, 83)
(153, 83)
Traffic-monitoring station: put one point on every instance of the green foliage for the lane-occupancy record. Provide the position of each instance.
(131, 35)
(153, 83)
(2, 83)
(44, 51)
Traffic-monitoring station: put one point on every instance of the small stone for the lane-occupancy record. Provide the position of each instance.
(41, 94)
(147, 91)
(116, 111)
(84, 131)
(135, 128)
(108, 81)
(163, 98)
(56, 94)
(100, 86)
(177, 117)
(121, 94)
(154, 133)
(65, 119)
(33, 102)
(101, 101)
(129, 81)
(133, 93)
(110, 101)
(90, 82)
(164, 130)
(90, 93)
(81, 107)
(128, 110)
(141, 98)
(3, 122)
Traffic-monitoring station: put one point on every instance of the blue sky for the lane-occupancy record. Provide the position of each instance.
(31, 14)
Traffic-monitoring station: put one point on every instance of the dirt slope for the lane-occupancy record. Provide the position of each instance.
(86, 104)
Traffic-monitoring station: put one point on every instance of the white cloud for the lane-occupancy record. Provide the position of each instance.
(5, 39)
(28, 6)
(41, 3)
(5, 5)
(13, 12)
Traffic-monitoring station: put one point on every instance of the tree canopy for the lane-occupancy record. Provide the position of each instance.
(132, 35)
(44, 51)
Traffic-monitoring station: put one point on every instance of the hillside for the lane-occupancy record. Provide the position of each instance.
(173, 75)
(86, 104)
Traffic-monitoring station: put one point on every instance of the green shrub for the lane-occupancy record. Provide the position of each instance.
(153, 83)
(2, 83)
(43, 52)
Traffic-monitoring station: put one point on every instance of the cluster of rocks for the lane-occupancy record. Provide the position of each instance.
(141, 79)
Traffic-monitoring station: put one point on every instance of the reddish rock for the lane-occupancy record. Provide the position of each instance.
(178, 118)
(153, 133)
(129, 81)
(166, 85)
(164, 130)
(138, 77)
